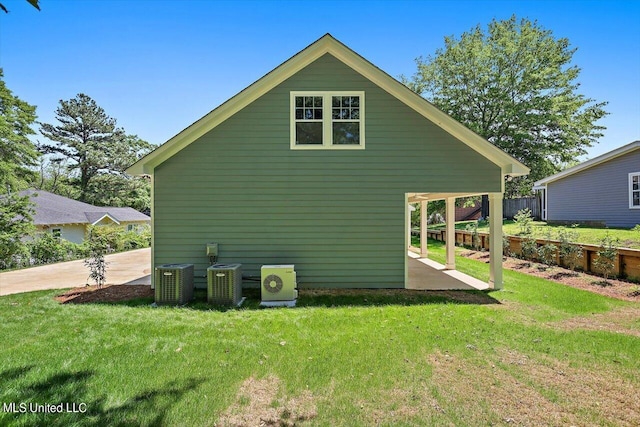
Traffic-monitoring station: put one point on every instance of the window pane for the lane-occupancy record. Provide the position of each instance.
(355, 101)
(346, 101)
(299, 101)
(346, 133)
(335, 101)
(308, 101)
(317, 114)
(335, 113)
(345, 113)
(309, 133)
(317, 101)
(355, 113)
(636, 199)
(299, 113)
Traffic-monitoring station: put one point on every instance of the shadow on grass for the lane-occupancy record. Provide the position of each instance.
(68, 391)
(333, 298)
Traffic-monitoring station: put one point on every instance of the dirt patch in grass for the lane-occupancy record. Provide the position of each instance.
(613, 288)
(620, 321)
(261, 403)
(105, 294)
(517, 390)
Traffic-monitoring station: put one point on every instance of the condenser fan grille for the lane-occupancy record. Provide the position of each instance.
(272, 283)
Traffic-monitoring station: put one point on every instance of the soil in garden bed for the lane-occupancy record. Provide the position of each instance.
(613, 288)
(105, 294)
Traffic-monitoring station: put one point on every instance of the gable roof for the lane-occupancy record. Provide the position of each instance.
(52, 209)
(327, 44)
(635, 145)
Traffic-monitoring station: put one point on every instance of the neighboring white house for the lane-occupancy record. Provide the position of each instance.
(69, 219)
(602, 191)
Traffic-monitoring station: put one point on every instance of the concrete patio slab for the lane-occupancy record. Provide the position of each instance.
(426, 274)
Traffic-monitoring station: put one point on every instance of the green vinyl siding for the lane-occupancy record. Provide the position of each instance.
(338, 215)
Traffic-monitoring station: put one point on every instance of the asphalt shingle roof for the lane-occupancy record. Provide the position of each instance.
(54, 209)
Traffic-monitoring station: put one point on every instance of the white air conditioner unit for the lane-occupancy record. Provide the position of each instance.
(278, 285)
(224, 284)
(174, 283)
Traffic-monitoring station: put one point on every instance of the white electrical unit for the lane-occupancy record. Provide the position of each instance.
(278, 285)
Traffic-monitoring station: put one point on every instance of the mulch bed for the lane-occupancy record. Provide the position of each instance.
(614, 288)
(105, 294)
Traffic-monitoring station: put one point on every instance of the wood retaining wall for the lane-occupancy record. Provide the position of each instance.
(627, 262)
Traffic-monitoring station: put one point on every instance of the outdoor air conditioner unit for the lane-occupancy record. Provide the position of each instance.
(224, 284)
(278, 285)
(174, 283)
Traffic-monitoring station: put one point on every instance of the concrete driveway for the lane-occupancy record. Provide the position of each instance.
(133, 267)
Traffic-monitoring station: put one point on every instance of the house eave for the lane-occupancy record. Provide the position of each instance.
(327, 44)
(635, 145)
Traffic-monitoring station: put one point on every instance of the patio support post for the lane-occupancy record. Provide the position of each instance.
(423, 228)
(451, 233)
(409, 226)
(495, 240)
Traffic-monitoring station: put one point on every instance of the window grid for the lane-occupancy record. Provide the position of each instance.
(327, 120)
(634, 190)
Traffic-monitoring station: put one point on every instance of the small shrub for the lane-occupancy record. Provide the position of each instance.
(475, 236)
(524, 219)
(528, 247)
(570, 253)
(607, 256)
(547, 252)
(506, 245)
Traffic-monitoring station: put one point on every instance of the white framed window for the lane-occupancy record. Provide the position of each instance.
(634, 190)
(56, 232)
(327, 120)
(131, 227)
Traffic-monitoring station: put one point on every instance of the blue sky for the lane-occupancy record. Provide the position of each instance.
(158, 65)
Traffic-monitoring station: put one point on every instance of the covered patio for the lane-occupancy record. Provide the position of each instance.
(426, 274)
(422, 273)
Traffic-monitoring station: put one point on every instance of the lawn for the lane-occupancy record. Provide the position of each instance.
(587, 235)
(535, 353)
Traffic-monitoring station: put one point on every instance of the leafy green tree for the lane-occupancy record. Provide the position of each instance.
(516, 86)
(15, 223)
(17, 156)
(33, 3)
(97, 153)
(17, 153)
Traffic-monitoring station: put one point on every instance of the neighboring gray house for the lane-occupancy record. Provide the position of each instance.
(69, 219)
(602, 191)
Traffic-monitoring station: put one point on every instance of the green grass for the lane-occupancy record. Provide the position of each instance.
(587, 235)
(359, 358)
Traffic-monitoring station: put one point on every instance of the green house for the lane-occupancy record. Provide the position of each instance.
(315, 165)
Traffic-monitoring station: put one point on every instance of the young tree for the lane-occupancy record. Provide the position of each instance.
(17, 155)
(88, 139)
(514, 85)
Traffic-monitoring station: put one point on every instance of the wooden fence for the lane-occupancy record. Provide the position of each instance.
(627, 262)
(510, 207)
